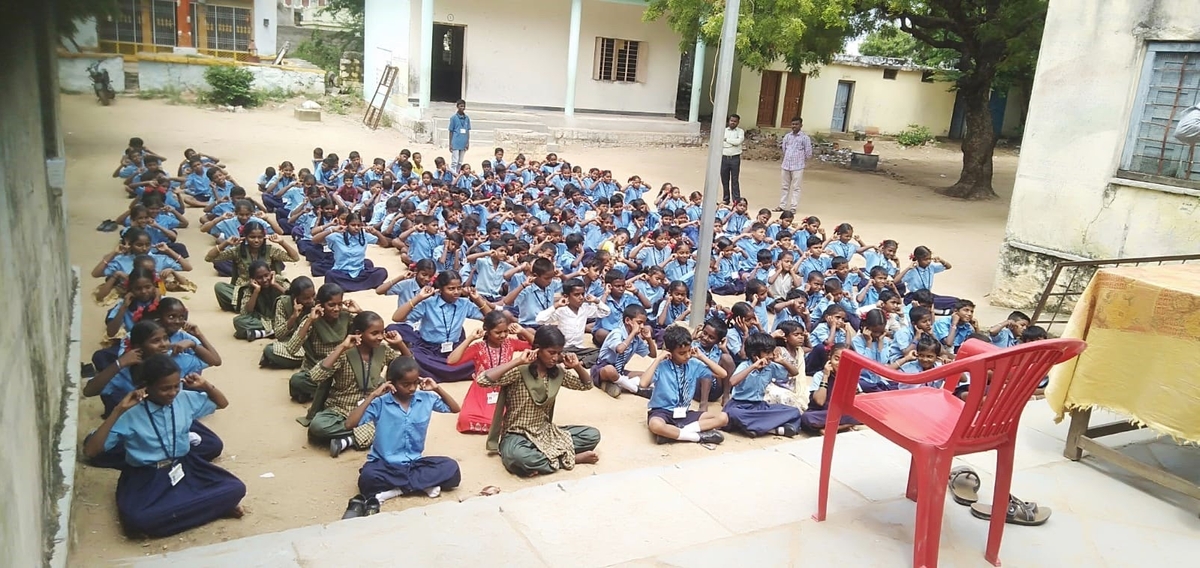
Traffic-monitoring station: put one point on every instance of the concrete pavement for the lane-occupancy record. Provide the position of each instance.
(754, 509)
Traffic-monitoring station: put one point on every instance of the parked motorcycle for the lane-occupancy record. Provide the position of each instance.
(101, 84)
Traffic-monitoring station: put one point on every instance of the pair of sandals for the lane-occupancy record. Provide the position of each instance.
(964, 489)
(108, 226)
(360, 506)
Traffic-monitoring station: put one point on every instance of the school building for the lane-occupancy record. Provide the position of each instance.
(1101, 175)
(233, 29)
(857, 93)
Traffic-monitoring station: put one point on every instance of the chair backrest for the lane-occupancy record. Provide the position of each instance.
(1002, 381)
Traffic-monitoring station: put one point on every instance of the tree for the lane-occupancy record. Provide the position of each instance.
(889, 41)
(68, 14)
(984, 44)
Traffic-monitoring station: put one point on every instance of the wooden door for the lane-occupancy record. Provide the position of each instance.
(768, 97)
(841, 106)
(793, 96)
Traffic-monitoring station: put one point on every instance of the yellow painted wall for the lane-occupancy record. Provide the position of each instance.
(885, 104)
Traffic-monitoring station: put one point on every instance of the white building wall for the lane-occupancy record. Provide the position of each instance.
(264, 36)
(386, 39)
(1067, 201)
(516, 52)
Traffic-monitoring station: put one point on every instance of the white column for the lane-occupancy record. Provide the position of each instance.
(573, 56)
(697, 82)
(426, 52)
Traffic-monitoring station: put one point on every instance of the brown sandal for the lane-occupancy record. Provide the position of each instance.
(1025, 513)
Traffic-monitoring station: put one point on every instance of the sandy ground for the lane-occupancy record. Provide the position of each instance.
(260, 433)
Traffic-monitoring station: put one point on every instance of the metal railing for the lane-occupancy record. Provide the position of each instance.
(131, 49)
(1058, 299)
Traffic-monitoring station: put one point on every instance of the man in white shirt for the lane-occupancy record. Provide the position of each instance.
(731, 159)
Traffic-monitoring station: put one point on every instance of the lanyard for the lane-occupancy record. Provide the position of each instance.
(925, 277)
(158, 434)
(499, 355)
(543, 299)
(446, 320)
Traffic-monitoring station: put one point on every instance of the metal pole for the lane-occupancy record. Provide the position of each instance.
(712, 182)
(573, 56)
(697, 81)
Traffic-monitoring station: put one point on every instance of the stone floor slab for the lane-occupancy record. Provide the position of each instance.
(862, 460)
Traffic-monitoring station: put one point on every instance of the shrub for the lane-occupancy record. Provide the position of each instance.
(230, 85)
(914, 135)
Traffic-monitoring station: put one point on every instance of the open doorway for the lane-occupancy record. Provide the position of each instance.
(841, 105)
(446, 75)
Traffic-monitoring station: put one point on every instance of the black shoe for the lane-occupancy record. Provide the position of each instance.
(711, 437)
(372, 506)
(660, 440)
(87, 370)
(336, 446)
(356, 507)
(645, 393)
(789, 431)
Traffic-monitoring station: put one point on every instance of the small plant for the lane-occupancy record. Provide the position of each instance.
(275, 94)
(230, 86)
(914, 135)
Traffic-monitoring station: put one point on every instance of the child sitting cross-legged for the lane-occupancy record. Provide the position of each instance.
(400, 409)
(632, 337)
(748, 412)
(675, 375)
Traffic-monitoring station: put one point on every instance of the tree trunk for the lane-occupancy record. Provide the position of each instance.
(978, 145)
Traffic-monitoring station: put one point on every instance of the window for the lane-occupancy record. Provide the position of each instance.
(162, 16)
(890, 74)
(1170, 83)
(125, 25)
(617, 60)
(927, 76)
(229, 28)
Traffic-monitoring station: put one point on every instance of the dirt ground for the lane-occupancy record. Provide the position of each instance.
(291, 483)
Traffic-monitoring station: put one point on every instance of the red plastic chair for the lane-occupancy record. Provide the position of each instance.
(934, 425)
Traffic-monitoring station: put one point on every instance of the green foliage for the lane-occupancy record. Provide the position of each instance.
(338, 104)
(321, 50)
(275, 94)
(230, 85)
(802, 33)
(68, 13)
(914, 135)
(171, 94)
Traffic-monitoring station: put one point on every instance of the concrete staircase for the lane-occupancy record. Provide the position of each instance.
(485, 123)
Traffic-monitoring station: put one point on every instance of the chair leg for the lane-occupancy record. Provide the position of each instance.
(826, 463)
(911, 492)
(933, 496)
(1004, 468)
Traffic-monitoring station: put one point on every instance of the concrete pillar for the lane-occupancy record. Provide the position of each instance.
(573, 56)
(426, 52)
(183, 24)
(697, 82)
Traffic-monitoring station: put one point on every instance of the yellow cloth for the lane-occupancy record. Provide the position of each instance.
(1142, 326)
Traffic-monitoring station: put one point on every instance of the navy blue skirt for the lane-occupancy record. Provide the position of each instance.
(758, 417)
(369, 278)
(424, 473)
(148, 504)
(271, 202)
(431, 358)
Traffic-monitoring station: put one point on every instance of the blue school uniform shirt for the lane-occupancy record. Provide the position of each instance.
(694, 212)
(1004, 339)
(875, 258)
(821, 333)
(634, 192)
(460, 131)
(673, 311)
(292, 198)
(873, 352)
(616, 306)
(326, 177)
(652, 293)
(349, 251)
(751, 388)
(489, 276)
(902, 339)
(124, 263)
(734, 341)
(818, 264)
(232, 228)
(735, 224)
(442, 321)
(565, 261)
(421, 245)
(145, 429)
(653, 256)
(399, 433)
(593, 236)
(608, 350)
(844, 250)
(787, 314)
(941, 330)
(533, 299)
(198, 185)
(404, 291)
(918, 278)
(127, 322)
(913, 368)
(682, 272)
(674, 204)
(675, 385)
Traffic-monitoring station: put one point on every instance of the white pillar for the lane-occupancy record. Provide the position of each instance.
(573, 56)
(426, 52)
(697, 82)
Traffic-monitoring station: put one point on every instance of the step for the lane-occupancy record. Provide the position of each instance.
(131, 80)
(443, 124)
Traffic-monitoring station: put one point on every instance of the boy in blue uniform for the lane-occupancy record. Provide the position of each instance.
(675, 375)
(633, 337)
(460, 135)
(534, 294)
(617, 299)
(1008, 332)
(954, 329)
(401, 409)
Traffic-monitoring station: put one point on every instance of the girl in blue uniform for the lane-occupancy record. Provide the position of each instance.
(919, 276)
(441, 310)
(748, 412)
(140, 300)
(167, 488)
(352, 270)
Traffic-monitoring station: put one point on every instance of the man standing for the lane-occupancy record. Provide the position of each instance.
(731, 158)
(797, 149)
(460, 136)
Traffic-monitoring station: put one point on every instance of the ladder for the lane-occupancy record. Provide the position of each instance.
(379, 99)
